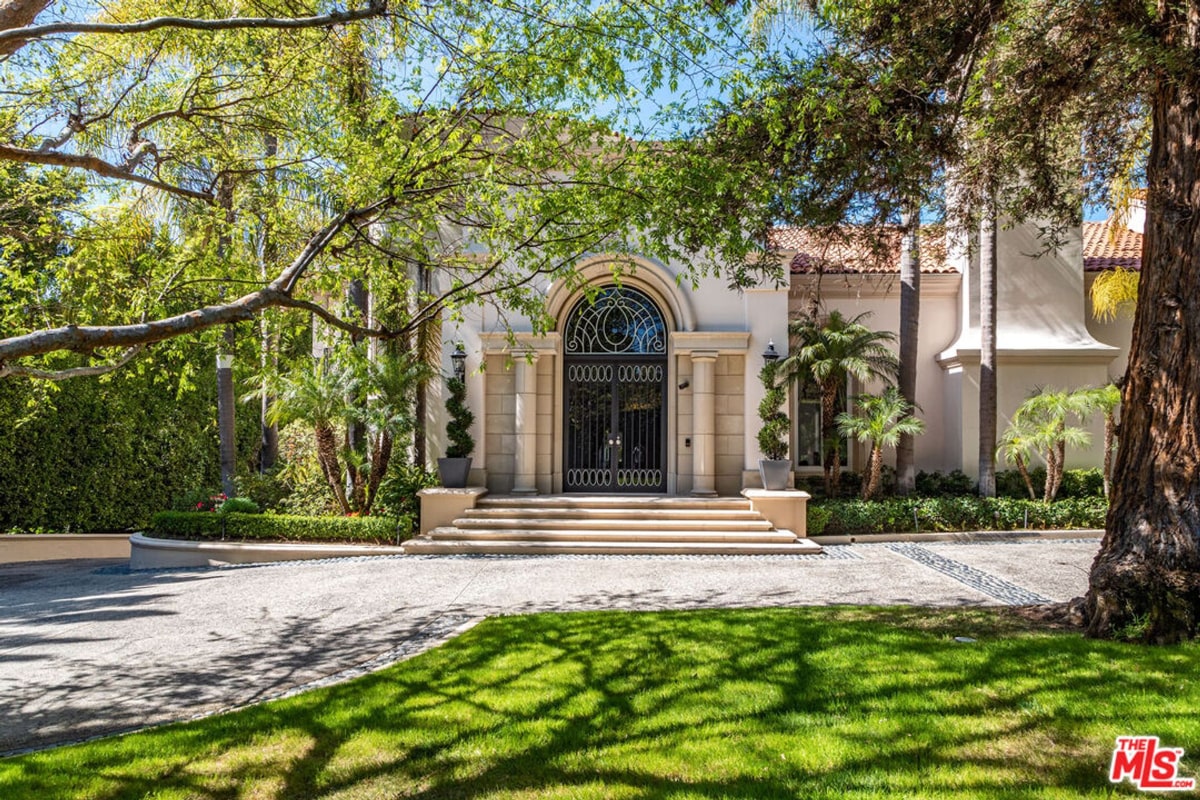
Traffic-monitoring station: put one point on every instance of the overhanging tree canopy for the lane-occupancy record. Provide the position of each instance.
(1031, 95)
(363, 143)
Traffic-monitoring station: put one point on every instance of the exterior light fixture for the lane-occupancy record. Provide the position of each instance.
(459, 359)
(770, 354)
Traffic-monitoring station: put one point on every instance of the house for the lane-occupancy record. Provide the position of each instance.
(653, 387)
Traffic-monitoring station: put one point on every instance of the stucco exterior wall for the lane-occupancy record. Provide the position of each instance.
(880, 296)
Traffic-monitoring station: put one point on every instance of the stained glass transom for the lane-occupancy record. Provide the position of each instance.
(622, 320)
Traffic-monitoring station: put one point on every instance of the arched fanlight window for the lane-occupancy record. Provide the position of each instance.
(621, 320)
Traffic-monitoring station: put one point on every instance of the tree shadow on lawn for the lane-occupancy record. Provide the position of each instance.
(742, 704)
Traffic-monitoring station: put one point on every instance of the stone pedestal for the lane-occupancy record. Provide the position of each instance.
(441, 506)
(786, 510)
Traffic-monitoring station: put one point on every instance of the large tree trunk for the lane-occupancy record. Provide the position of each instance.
(987, 352)
(910, 308)
(1145, 582)
(1110, 432)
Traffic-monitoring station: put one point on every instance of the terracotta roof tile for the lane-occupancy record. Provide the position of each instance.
(857, 250)
(877, 251)
(1106, 246)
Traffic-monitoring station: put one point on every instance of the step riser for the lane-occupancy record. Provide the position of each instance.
(611, 525)
(611, 514)
(517, 548)
(749, 526)
(753, 537)
(632, 504)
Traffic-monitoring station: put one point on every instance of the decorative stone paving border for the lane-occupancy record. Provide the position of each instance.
(831, 552)
(1002, 590)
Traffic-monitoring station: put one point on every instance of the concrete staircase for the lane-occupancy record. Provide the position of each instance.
(647, 524)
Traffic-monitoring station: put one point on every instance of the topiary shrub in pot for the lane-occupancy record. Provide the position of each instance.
(456, 466)
(775, 467)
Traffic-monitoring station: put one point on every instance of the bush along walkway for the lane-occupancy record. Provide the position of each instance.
(946, 514)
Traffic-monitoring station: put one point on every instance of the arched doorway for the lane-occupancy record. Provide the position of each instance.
(615, 394)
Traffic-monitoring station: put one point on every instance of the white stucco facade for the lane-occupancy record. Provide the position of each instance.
(714, 338)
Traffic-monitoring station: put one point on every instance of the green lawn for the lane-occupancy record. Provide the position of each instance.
(787, 703)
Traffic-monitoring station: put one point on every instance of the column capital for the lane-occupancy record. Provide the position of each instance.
(704, 355)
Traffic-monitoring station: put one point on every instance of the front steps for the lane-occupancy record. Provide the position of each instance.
(607, 524)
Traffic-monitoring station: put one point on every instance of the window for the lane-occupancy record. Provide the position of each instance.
(808, 426)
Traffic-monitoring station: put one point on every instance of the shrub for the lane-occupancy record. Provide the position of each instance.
(268, 489)
(818, 518)
(938, 484)
(772, 436)
(1075, 483)
(1082, 483)
(239, 505)
(963, 513)
(458, 428)
(398, 492)
(277, 527)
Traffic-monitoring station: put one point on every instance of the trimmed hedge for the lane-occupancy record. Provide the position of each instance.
(279, 528)
(939, 514)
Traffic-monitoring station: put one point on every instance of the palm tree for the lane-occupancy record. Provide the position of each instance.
(879, 421)
(826, 353)
(1044, 418)
(910, 310)
(1105, 399)
(318, 396)
(1017, 447)
(391, 380)
(987, 349)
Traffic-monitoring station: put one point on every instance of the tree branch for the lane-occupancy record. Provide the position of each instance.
(87, 338)
(96, 165)
(76, 372)
(13, 39)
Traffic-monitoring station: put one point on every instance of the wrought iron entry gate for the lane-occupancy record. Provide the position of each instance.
(615, 394)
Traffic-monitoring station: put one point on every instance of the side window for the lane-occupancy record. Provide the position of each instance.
(807, 416)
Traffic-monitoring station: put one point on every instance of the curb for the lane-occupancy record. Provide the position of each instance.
(962, 537)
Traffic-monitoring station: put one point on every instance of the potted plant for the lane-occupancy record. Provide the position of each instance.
(775, 467)
(455, 467)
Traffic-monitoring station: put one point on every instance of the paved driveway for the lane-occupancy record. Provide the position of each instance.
(88, 648)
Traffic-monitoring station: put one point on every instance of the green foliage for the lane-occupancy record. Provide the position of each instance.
(398, 493)
(239, 505)
(239, 526)
(458, 428)
(267, 490)
(773, 435)
(937, 484)
(263, 137)
(962, 513)
(818, 518)
(1075, 483)
(104, 454)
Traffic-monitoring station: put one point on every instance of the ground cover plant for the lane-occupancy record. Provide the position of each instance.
(779, 703)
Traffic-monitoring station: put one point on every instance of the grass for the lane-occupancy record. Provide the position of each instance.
(782, 703)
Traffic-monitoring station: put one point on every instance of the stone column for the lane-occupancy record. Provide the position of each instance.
(704, 424)
(525, 477)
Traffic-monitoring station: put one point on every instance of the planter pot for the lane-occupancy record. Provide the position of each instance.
(775, 473)
(454, 471)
